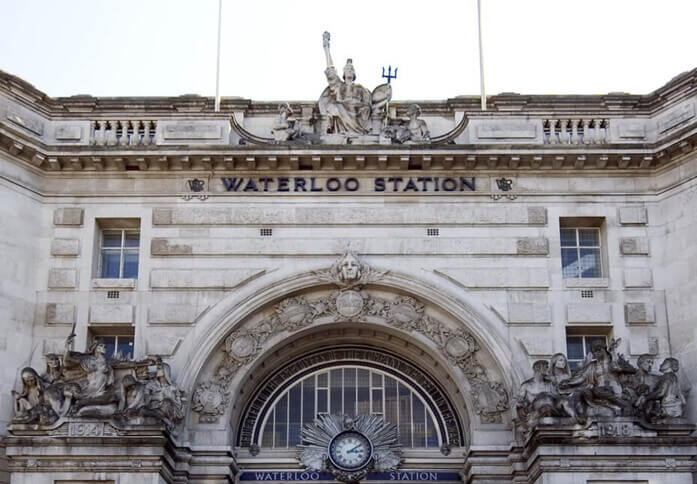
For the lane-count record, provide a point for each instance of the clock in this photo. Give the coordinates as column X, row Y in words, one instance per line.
column 350, row 450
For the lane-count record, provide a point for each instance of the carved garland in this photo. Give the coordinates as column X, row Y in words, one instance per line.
column 350, row 304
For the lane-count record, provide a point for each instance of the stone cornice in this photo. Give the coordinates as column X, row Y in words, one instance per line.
column 678, row 88
column 634, row 157
column 609, row 132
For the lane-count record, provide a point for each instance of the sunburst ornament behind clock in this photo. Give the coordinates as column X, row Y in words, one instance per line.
column 348, row 447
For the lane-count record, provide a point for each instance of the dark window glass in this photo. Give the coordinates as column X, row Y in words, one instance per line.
column 125, row 347
column 294, row 411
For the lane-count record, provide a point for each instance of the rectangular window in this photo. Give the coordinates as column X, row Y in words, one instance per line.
column 119, row 254
column 581, row 252
column 118, row 347
column 578, row 346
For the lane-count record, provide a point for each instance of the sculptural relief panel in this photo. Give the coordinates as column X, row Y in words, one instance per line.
column 351, row 302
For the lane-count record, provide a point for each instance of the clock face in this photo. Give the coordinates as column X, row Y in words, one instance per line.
column 350, row 450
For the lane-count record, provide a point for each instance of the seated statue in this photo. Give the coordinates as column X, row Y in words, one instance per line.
column 96, row 395
column 284, row 129
column 29, row 405
column 413, row 131
column 598, row 385
column 163, row 398
column 348, row 105
column 538, row 398
column 667, row 393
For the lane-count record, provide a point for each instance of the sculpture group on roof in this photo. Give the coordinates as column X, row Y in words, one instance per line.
column 605, row 385
column 86, row 385
column 351, row 114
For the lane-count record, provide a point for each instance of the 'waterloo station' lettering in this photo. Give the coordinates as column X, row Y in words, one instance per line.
column 351, row 184
column 399, row 476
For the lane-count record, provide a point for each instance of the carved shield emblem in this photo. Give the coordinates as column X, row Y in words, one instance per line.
column 458, row 347
column 349, row 303
column 242, row 347
column 403, row 313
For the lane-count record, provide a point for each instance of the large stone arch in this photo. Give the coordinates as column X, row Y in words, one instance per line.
column 442, row 304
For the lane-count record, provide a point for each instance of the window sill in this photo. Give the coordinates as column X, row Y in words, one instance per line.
column 587, row 282
column 114, row 283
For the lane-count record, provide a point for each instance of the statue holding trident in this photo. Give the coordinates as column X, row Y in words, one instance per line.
column 347, row 105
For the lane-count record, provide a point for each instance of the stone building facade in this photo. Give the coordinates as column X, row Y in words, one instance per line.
column 251, row 269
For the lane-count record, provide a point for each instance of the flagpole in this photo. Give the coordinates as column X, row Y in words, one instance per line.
column 217, row 65
column 481, row 54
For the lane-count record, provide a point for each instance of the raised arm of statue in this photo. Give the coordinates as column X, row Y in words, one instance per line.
column 325, row 44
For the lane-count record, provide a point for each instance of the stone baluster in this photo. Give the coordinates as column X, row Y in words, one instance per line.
column 598, row 138
column 563, row 133
column 123, row 140
column 587, row 135
column 110, row 134
column 146, row 132
column 574, row 131
column 100, row 133
column 135, row 137
column 552, row 131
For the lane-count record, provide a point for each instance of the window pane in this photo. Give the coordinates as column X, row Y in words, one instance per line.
column 377, row 401
column 130, row 264
column 419, row 421
column 349, row 391
column 322, row 380
column 574, row 347
column 590, row 263
column 132, row 239
column 404, row 416
column 294, row 416
column 569, row 262
column 281, row 422
column 111, row 239
column 309, row 400
column 568, row 237
column 110, row 343
column 111, row 261
column 322, row 401
column 363, row 383
column 590, row 340
column 431, row 436
column 391, row 400
column 267, row 437
column 125, row 347
column 589, row 237
column 335, row 399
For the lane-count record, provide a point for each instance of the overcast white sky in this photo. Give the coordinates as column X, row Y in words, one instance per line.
column 272, row 49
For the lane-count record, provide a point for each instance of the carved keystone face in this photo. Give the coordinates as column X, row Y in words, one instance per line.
column 349, row 268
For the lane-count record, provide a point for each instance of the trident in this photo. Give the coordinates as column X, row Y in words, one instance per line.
column 389, row 75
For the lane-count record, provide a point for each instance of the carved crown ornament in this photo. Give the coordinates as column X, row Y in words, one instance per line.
column 351, row 302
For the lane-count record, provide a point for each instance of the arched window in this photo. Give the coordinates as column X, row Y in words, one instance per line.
column 350, row 390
